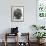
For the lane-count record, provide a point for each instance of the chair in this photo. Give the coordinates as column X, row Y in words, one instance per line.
column 14, row 32
column 7, row 35
column 25, row 37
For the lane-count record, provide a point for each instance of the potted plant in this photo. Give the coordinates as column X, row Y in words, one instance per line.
column 39, row 35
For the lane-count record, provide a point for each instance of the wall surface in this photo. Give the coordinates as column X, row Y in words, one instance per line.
column 29, row 15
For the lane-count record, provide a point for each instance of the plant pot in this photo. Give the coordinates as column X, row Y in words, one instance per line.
column 40, row 41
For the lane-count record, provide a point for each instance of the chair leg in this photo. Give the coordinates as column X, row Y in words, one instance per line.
column 17, row 41
column 5, row 43
column 5, row 40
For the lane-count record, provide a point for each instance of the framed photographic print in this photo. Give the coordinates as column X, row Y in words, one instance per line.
column 17, row 13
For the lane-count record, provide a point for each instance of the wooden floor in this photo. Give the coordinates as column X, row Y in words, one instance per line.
column 13, row 44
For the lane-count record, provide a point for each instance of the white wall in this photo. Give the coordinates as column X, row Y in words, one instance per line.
column 29, row 15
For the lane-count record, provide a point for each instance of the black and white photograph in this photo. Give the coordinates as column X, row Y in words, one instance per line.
column 17, row 13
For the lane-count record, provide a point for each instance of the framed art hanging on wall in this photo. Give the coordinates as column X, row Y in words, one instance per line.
column 17, row 13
